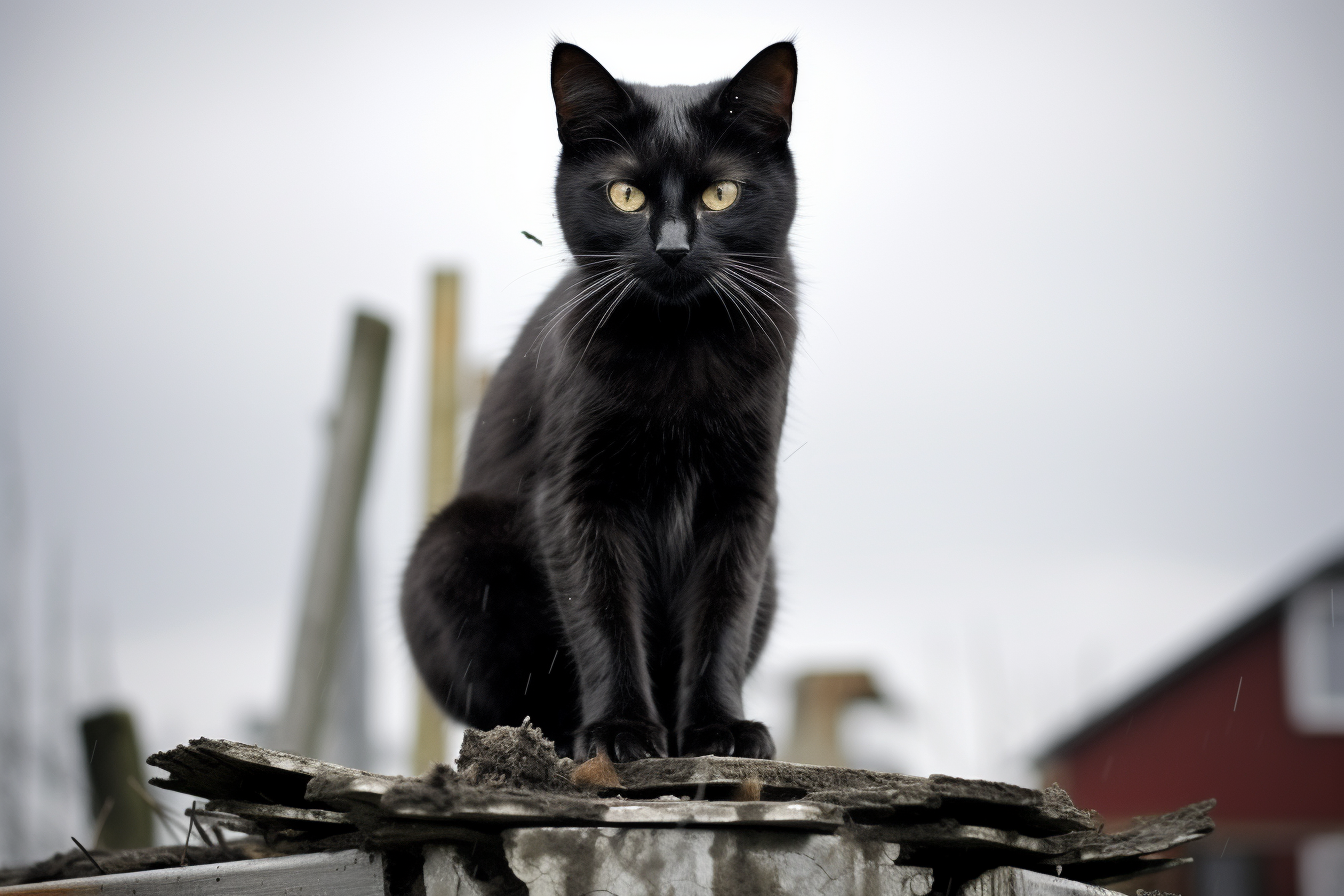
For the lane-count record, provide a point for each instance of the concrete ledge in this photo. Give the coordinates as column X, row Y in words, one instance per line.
column 350, row 872
column 613, row 861
column 697, row 862
column 1021, row 882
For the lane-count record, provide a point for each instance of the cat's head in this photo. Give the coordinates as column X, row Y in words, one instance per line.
column 675, row 186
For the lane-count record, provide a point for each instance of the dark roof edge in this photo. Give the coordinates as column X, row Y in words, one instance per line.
column 1322, row 569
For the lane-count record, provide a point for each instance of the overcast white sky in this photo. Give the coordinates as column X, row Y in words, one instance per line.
column 1071, row 394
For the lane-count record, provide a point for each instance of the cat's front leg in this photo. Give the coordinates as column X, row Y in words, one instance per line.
column 721, row 615
column 597, row 580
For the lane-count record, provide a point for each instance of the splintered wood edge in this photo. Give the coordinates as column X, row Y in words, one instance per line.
column 249, row 754
column 228, row 821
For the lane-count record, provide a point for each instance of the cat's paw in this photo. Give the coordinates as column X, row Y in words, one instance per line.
column 623, row 740
column 740, row 737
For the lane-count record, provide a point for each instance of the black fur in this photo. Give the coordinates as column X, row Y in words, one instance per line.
column 606, row 568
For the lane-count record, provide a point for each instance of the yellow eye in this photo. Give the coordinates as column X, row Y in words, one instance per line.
column 719, row 196
column 626, row 197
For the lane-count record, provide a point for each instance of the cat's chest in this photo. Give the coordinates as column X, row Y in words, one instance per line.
column 653, row 413
column 684, row 400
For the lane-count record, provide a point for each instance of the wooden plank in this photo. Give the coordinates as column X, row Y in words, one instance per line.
column 350, row 872
column 283, row 815
column 694, row 862
column 222, row 769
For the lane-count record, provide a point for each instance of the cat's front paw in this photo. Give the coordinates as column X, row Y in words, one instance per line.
column 739, row 737
column 623, row 740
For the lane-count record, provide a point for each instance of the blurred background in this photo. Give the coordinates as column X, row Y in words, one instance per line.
column 1069, row 406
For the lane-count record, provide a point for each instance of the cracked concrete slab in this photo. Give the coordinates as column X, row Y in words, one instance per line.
column 698, row 862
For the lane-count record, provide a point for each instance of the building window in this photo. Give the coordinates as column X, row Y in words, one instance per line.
column 1313, row 656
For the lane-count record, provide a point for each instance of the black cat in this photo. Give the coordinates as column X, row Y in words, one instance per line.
column 606, row 567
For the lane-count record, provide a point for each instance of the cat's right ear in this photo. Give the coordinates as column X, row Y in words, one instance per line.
column 587, row 97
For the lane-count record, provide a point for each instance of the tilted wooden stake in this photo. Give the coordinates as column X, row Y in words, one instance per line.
column 441, row 481
column 328, row 585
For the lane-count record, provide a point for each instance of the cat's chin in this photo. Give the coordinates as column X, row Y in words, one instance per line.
column 678, row 292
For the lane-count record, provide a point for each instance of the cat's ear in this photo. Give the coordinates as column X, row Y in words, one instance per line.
column 586, row 95
column 762, row 93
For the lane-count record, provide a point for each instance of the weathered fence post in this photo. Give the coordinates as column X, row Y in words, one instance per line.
column 115, row 760
column 440, row 480
column 328, row 586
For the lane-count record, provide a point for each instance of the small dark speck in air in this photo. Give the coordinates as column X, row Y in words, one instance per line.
column 531, row 237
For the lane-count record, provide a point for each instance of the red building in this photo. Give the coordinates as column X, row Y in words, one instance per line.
column 1254, row 719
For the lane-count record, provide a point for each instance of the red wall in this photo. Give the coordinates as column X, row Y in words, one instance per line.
column 1186, row 743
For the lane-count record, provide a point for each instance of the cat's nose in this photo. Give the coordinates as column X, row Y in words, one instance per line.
column 673, row 241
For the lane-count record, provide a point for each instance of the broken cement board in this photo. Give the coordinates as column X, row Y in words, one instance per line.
column 1145, row 836
column 471, row 804
column 694, row 862
column 1033, row 811
column 350, row 872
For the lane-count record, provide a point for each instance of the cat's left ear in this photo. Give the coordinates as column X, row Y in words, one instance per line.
column 762, row 93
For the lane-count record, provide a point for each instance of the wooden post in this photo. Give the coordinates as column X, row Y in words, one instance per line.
column 440, row 480
column 328, row 588
column 821, row 699
column 123, row 817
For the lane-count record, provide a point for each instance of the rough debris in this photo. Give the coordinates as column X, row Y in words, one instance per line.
column 513, row 757
column 511, row 778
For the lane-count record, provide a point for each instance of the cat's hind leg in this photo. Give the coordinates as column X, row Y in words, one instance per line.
column 480, row 624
